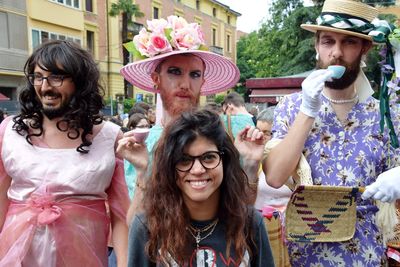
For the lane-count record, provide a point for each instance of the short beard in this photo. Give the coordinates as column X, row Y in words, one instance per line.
column 349, row 76
column 175, row 109
column 53, row 113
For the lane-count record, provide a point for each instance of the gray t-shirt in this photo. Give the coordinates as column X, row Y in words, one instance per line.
column 212, row 250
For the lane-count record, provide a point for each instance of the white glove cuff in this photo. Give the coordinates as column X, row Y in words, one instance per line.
column 308, row 112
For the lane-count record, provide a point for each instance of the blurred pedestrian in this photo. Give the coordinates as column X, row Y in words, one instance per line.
column 138, row 120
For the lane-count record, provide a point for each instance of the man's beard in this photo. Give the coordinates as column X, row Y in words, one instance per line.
column 52, row 113
column 175, row 108
column 55, row 112
column 349, row 76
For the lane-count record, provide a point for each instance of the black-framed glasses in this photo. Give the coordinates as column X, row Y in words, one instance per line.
column 209, row 160
column 52, row 79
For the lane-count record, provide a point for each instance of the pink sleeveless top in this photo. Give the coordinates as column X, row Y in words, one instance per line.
column 57, row 215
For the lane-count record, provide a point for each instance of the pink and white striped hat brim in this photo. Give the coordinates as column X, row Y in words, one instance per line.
column 220, row 74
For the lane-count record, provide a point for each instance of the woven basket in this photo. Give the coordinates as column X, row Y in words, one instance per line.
column 318, row 213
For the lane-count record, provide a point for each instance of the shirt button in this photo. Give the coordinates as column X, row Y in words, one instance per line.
column 341, row 134
column 338, row 166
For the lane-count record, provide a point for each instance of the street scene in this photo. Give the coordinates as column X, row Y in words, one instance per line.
column 199, row 133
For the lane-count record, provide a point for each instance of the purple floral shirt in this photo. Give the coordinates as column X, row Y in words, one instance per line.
column 350, row 154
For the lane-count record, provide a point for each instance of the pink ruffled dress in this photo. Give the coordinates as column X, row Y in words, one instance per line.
column 57, row 215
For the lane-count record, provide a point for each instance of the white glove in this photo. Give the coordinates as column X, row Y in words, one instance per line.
column 386, row 188
column 312, row 87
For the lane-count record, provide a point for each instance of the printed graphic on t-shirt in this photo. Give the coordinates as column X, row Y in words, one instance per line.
column 208, row 257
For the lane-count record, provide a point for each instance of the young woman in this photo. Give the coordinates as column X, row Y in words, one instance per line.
column 195, row 211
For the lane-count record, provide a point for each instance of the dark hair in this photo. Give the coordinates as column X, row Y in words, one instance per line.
column 142, row 105
column 235, row 99
column 67, row 58
column 137, row 109
column 165, row 209
column 1, row 115
column 213, row 107
column 134, row 119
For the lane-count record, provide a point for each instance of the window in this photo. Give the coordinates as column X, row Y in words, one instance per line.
column 229, row 19
column 44, row 36
column 35, row 38
column 155, row 12
column 214, row 12
column 228, row 42
column 39, row 37
column 89, row 5
column 198, row 4
column 70, row 3
column 90, row 41
column 214, row 37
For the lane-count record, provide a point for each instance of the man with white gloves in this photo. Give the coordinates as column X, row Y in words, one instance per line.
column 334, row 123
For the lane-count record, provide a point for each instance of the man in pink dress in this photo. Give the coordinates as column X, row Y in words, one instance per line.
column 58, row 167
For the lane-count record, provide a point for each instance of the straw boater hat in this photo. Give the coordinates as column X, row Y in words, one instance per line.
column 349, row 17
column 165, row 38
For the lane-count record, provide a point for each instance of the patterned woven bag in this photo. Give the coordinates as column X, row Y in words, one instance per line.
column 318, row 213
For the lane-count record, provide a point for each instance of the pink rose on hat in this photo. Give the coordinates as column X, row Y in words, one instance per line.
column 177, row 23
column 158, row 45
column 187, row 37
column 163, row 36
column 157, row 25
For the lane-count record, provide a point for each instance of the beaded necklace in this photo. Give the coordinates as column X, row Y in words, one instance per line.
column 341, row 101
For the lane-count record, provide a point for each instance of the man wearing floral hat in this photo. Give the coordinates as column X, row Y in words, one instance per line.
column 335, row 123
column 174, row 64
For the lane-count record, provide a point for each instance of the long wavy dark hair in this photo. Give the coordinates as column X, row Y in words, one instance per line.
column 83, row 111
column 164, row 206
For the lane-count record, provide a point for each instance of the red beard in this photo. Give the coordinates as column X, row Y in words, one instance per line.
column 179, row 102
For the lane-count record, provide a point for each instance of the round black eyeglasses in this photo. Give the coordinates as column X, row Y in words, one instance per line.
column 209, row 160
column 52, row 80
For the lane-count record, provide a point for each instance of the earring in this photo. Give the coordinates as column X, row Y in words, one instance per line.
column 362, row 62
column 317, row 56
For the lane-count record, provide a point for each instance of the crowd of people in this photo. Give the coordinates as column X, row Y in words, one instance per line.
column 79, row 189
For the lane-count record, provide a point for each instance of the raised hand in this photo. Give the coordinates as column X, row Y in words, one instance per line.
column 312, row 87
column 133, row 151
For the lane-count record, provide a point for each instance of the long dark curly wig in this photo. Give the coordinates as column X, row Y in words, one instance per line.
column 164, row 206
column 83, row 111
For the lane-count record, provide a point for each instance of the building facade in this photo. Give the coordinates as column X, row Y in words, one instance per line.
column 13, row 47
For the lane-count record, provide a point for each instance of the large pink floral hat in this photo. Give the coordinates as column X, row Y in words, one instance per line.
column 164, row 38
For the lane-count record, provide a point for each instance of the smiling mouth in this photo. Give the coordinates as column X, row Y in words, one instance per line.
column 198, row 184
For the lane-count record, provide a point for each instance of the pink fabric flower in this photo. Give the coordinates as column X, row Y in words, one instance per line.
column 177, row 23
column 158, row 44
column 141, row 42
column 164, row 36
column 157, row 25
column 187, row 38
